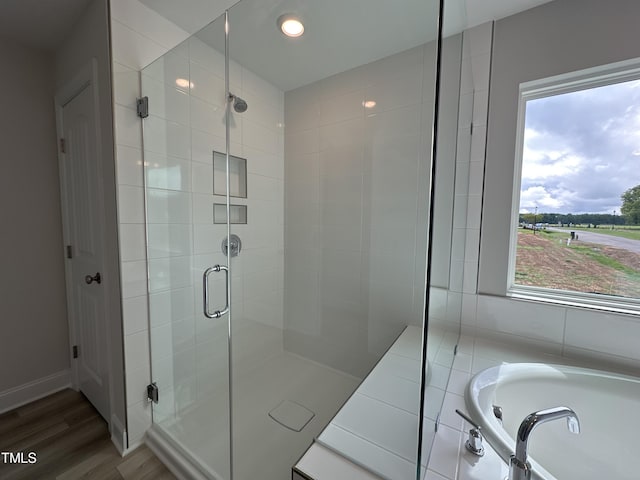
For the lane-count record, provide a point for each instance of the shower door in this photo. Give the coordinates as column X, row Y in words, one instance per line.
column 185, row 141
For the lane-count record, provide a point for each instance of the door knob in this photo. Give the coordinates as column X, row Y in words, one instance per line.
column 96, row 278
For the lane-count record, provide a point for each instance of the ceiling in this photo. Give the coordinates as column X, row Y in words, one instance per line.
column 41, row 24
column 339, row 34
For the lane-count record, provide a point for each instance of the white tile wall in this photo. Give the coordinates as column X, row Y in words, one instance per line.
column 351, row 193
column 139, row 36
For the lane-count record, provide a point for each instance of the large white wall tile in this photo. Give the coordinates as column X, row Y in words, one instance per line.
column 168, row 206
column 129, row 167
column 135, row 314
column 167, row 172
column 302, row 109
column 128, row 129
column 126, row 85
column 167, row 69
column 261, row 89
column 136, row 348
column 203, row 145
column 167, row 137
column 136, row 379
column 130, row 204
column 341, row 107
column 131, row 48
column 169, row 240
column 205, row 56
column 208, row 85
column 147, row 22
column 134, row 279
column 138, row 422
column 169, row 273
column 527, row 319
column 602, row 332
column 171, row 305
column 166, row 101
column 132, row 242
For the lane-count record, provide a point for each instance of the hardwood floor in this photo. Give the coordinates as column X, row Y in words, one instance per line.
column 71, row 441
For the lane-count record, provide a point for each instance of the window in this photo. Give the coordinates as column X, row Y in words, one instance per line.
column 576, row 222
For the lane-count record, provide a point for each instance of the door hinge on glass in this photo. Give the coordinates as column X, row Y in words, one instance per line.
column 69, row 251
column 152, row 392
column 75, row 351
column 62, row 146
column 142, row 107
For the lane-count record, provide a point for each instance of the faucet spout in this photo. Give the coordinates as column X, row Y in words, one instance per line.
column 520, row 469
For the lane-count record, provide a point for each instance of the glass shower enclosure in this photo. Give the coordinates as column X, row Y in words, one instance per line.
column 287, row 206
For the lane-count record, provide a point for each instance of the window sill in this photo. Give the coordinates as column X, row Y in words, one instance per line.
column 602, row 303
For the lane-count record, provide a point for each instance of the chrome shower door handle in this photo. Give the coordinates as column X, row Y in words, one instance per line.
column 205, row 291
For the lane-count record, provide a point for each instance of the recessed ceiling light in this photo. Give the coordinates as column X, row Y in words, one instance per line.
column 290, row 25
column 369, row 103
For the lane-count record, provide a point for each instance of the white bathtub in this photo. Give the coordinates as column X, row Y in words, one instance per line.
column 607, row 404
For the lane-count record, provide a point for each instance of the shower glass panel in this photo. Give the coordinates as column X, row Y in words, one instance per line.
column 189, row 352
column 325, row 145
column 337, row 136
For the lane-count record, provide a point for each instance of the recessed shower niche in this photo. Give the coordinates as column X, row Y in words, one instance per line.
column 237, row 176
column 237, row 214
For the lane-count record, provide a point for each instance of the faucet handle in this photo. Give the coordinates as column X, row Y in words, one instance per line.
column 474, row 442
column 468, row 419
column 497, row 412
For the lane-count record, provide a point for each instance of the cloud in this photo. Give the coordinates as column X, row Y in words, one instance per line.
column 581, row 150
column 538, row 196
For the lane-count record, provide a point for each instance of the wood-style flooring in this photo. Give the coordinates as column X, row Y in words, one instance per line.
column 71, row 441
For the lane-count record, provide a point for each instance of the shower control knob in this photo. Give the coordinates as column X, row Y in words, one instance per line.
column 95, row 278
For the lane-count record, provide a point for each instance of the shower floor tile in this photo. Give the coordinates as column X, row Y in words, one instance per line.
column 263, row 448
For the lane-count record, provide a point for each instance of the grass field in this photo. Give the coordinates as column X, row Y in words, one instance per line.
column 545, row 260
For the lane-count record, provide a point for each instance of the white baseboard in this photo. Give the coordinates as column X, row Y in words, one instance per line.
column 181, row 468
column 118, row 435
column 132, row 447
column 35, row 390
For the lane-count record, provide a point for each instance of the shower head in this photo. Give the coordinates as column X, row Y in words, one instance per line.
column 239, row 105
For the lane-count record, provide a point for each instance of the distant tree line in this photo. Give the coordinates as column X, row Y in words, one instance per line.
column 629, row 214
column 566, row 219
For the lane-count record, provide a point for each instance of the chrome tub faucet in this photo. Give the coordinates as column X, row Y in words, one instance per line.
column 519, row 467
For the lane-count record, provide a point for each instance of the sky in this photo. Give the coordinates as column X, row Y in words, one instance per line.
column 581, row 150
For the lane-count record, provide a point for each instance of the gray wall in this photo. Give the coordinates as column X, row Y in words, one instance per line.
column 33, row 317
column 558, row 37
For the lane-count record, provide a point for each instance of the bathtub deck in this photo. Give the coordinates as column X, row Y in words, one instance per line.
column 449, row 459
column 378, row 426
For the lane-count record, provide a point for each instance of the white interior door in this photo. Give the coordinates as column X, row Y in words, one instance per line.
column 83, row 217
